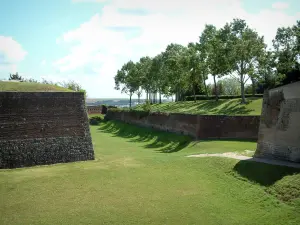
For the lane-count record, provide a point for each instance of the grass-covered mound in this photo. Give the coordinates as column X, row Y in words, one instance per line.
column 210, row 107
column 30, row 87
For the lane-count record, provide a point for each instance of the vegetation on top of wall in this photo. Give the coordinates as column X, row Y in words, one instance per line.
column 204, row 97
column 30, row 87
column 203, row 107
column 19, row 84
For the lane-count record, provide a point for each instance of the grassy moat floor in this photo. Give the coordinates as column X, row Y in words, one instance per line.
column 141, row 176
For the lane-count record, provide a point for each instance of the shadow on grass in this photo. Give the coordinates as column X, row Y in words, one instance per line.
column 229, row 108
column 161, row 141
column 221, row 107
column 264, row 174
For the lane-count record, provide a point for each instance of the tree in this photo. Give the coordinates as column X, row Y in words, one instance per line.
column 266, row 77
column 143, row 73
column 245, row 48
column 157, row 72
column 15, row 76
column 127, row 79
column 230, row 86
column 214, row 44
column 196, row 68
column 174, row 69
column 287, row 53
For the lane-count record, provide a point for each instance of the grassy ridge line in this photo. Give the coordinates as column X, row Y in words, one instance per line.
column 30, row 87
column 210, row 107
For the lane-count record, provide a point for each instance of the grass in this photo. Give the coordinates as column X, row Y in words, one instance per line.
column 30, row 87
column 211, row 107
column 141, row 176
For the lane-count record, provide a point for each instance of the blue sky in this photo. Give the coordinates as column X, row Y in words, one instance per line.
column 89, row 40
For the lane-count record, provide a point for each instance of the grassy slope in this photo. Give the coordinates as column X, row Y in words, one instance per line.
column 223, row 107
column 30, row 87
column 136, row 180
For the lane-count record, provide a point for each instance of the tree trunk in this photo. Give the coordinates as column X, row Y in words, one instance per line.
column 243, row 89
column 139, row 97
column 253, row 87
column 130, row 100
column 194, row 89
column 147, row 95
column 216, row 91
column 159, row 97
column 205, row 86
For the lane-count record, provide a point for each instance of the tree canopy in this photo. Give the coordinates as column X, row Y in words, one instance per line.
column 235, row 51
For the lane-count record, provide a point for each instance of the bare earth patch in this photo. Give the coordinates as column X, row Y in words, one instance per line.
column 234, row 155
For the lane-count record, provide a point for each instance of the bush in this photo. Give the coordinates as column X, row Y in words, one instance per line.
column 147, row 106
column 95, row 120
column 114, row 109
column 212, row 97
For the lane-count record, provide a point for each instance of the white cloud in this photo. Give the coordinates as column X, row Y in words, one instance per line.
column 280, row 5
column 11, row 49
column 11, row 53
column 104, row 50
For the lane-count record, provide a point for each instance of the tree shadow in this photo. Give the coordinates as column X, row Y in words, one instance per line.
column 262, row 173
column 163, row 142
column 229, row 109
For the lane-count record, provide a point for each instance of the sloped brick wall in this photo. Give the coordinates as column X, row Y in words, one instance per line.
column 279, row 131
column 197, row 126
column 43, row 128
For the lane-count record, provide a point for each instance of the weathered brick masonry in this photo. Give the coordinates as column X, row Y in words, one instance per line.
column 198, row 126
column 279, row 131
column 94, row 109
column 43, row 128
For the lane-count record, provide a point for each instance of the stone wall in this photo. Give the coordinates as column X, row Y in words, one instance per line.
column 197, row 126
column 94, row 109
column 43, row 128
column 279, row 131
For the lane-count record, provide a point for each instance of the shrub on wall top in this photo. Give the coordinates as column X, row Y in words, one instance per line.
column 204, row 97
column 115, row 109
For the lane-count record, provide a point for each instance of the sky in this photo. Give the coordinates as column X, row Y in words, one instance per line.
column 89, row 40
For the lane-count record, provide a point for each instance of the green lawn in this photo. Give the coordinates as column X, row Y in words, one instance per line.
column 142, row 177
column 211, row 107
column 30, row 87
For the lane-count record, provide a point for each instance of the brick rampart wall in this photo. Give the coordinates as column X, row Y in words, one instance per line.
column 197, row 126
column 279, row 131
column 43, row 128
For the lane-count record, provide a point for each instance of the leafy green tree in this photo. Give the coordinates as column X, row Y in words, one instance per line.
column 230, row 86
column 159, row 81
column 15, row 76
column 195, row 67
column 143, row 74
column 213, row 44
column 126, row 80
column 266, row 70
column 246, row 46
column 175, row 70
column 287, row 50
